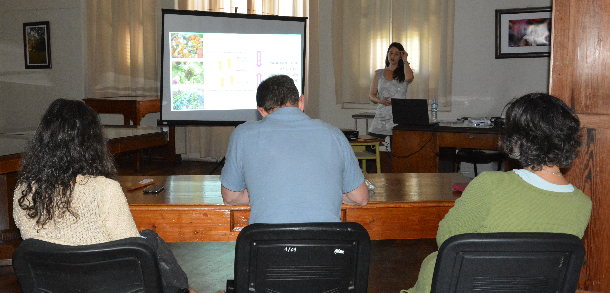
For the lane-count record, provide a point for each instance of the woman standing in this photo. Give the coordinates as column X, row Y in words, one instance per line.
column 387, row 84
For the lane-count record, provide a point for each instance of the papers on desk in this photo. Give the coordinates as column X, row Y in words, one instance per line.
column 211, row 188
column 482, row 122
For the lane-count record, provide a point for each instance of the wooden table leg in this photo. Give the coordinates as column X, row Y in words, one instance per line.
column 171, row 144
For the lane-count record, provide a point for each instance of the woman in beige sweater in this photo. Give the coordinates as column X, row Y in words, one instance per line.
column 66, row 194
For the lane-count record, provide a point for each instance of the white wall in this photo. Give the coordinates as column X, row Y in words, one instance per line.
column 482, row 85
column 26, row 93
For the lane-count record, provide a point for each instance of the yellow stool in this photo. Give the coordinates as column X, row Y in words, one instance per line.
column 359, row 147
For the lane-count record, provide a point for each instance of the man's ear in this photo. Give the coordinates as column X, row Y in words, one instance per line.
column 302, row 103
column 262, row 111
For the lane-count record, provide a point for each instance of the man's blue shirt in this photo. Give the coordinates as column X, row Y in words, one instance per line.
column 295, row 168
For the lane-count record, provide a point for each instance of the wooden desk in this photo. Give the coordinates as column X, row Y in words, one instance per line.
column 416, row 149
column 404, row 206
column 132, row 108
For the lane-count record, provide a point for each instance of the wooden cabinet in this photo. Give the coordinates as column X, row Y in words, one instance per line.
column 416, row 150
column 579, row 71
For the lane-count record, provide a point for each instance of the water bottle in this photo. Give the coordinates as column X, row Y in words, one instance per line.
column 433, row 110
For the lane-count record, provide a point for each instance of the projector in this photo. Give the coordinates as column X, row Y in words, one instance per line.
column 350, row 134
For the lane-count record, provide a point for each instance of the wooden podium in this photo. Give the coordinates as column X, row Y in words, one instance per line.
column 416, row 149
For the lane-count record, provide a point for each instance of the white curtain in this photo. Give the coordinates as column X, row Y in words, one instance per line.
column 363, row 31
column 263, row 7
column 122, row 48
column 211, row 142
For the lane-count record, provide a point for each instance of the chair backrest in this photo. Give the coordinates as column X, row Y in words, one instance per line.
column 509, row 262
column 126, row 265
column 309, row 257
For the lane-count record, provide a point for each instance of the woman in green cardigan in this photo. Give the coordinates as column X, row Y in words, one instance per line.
column 543, row 134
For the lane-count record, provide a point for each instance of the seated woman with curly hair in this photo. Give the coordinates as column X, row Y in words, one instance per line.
column 542, row 133
column 66, row 193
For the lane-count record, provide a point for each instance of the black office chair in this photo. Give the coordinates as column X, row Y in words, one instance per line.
column 509, row 262
column 476, row 157
column 126, row 265
column 295, row 258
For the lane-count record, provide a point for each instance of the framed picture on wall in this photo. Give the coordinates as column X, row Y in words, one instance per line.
column 37, row 45
column 523, row 32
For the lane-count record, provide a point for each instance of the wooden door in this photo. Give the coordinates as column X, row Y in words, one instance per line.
column 580, row 67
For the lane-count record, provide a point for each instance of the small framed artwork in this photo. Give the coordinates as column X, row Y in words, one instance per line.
column 37, row 45
column 523, row 32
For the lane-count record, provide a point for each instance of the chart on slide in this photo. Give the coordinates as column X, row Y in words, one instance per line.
column 222, row 71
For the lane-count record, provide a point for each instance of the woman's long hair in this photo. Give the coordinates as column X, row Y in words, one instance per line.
column 399, row 72
column 68, row 142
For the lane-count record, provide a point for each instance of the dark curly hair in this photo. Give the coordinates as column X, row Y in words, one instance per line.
column 277, row 91
column 540, row 129
column 68, row 142
column 399, row 72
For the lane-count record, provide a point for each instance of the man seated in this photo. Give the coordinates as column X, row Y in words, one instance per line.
column 288, row 167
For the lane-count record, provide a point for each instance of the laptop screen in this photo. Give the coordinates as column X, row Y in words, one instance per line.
column 410, row 112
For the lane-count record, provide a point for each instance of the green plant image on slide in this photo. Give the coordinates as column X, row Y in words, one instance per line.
column 187, row 99
column 187, row 72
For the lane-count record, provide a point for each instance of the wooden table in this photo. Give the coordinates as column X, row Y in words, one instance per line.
column 404, row 206
column 417, row 149
column 132, row 108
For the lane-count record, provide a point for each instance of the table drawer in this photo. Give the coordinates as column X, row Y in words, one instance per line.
column 468, row 140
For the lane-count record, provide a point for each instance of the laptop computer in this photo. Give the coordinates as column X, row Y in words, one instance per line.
column 410, row 112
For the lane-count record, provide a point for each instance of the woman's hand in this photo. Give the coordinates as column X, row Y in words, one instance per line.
column 385, row 102
column 403, row 56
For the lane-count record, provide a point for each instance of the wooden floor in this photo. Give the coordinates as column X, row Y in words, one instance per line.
column 394, row 263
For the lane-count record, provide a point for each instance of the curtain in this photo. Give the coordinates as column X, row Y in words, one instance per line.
column 263, row 7
column 122, row 48
column 363, row 31
column 211, row 142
